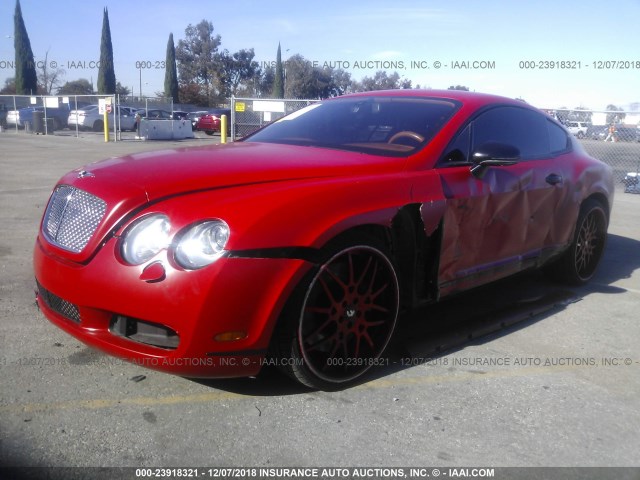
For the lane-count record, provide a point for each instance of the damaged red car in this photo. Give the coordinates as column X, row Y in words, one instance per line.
column 300, row 245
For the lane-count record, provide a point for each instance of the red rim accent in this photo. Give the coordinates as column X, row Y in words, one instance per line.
column 349, row 314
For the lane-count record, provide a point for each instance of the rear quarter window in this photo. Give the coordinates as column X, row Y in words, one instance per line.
column 558, row 139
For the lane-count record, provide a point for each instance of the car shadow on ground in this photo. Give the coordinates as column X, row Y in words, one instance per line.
column 472, row 318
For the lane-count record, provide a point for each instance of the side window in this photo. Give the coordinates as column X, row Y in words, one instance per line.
column 558, row 139
column 520, row 127
column 458, row 150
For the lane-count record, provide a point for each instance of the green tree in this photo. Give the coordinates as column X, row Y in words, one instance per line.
column 301, row 81
column 236, row 71
column 458, row 87
column 340, row 82
column 26, row 79
column 171, row 73
column 106, row 72
column 278, row 81
column 197, row 68
column 76, row 87
column 9, row 87
column 382, row 81
column 122, row 90
column 615, row 115
column 266, row 81
column 306, row 80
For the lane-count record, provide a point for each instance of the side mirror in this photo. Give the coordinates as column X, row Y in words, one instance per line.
column 493, row 154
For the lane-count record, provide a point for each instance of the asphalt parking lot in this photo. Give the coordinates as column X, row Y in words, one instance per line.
column 522, row 373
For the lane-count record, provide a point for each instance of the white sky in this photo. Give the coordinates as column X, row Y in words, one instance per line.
column 589, row 34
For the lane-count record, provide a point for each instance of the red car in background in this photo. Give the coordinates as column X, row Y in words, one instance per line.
column 210, row 122
column 301, row 243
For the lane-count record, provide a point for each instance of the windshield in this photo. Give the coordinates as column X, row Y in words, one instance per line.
column 396, row 126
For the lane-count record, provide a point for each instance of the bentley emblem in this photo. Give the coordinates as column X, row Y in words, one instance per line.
column 84, row 173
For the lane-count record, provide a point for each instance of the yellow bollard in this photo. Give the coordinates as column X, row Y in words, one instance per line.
column 106, row 125
column 223, row 129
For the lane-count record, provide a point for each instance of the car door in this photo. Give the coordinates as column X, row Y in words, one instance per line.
column 498, row 224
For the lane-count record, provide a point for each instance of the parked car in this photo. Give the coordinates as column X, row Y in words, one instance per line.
column 210, row 122
column 90, row 118
column 300, row 244
column 579, row 129
column 632, row 182
column 155, row 114
column 195, row 117
column 626, row 133
column 20, row 117
column 597, row 132
column 152, row 114
column 85, row 117
column 178, row 115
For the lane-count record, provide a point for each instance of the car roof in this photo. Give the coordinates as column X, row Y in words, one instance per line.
column 469, row 98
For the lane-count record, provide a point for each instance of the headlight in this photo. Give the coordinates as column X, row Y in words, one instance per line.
column 202, row 244
column 145, row 238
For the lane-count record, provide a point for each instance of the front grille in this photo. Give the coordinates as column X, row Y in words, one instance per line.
column 59, row 305
column 71, row 218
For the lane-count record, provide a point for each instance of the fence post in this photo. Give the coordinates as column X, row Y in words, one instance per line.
column 233, row 118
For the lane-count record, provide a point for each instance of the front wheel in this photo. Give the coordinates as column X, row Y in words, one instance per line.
column 346, row 318
column 579, row 263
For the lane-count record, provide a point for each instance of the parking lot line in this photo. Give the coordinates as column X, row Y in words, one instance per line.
column 378, row 384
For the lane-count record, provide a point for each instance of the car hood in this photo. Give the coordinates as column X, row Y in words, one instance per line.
column 167, row 173
column 128, row 183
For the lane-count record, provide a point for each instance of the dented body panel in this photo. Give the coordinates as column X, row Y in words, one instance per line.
column 501, row 223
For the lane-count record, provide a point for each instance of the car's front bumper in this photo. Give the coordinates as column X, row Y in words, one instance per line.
column 223, row 315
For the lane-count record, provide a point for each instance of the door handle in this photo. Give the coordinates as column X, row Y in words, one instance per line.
column 553, row 179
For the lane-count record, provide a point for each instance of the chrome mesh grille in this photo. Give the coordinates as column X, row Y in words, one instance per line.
column 71, row 218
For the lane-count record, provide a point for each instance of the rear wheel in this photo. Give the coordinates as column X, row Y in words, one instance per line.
column 579, row 263
column 98, row 126
column 345, row 320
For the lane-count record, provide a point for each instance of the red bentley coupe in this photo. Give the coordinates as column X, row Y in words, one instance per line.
column 301, row 243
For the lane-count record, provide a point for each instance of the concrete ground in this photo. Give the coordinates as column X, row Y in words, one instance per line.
column 522, row 373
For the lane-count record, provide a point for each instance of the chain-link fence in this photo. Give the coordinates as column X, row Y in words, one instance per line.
column 251, row 114
column 72, row 114
column 612, row 136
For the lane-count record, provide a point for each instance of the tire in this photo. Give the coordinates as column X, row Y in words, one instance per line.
column 579, row 263
column 346, row 316
column 209, row 132
column 98, row 126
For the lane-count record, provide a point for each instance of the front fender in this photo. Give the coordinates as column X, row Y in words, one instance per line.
column 302, row 213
